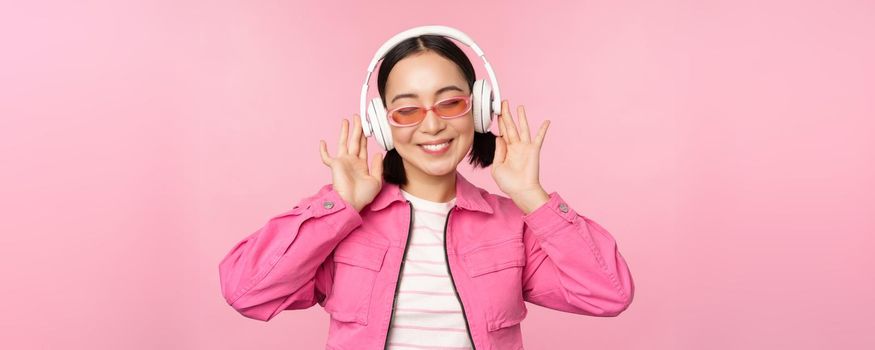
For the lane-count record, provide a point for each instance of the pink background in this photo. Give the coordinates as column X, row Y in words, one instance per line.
column 727, row 145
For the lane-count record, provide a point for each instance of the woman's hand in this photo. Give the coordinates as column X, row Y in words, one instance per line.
column 515, row 166
column 351, row 178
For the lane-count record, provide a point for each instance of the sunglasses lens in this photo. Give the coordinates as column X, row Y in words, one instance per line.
column 408, row 115
column 452, row 107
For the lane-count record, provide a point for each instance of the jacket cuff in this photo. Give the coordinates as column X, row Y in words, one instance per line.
column 345, row 218
column 550, row 216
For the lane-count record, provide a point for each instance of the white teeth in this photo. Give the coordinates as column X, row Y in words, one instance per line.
column 437, row 147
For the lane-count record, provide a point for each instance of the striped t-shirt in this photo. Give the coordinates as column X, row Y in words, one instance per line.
column 427, row 313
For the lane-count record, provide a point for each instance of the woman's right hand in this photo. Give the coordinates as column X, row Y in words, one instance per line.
column 351, row 178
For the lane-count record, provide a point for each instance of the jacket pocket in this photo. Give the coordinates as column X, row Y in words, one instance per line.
column 495, row 269
column 357, row 263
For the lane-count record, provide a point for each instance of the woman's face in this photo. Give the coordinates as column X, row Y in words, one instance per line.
column 422, row 79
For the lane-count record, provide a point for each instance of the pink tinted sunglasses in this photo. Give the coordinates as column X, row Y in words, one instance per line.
column 411, row 115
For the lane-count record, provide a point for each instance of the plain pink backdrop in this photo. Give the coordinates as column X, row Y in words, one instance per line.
column 729, row 146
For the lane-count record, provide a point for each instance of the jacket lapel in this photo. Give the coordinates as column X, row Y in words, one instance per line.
column 468, row 196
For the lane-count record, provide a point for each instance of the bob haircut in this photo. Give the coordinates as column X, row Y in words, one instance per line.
column 483, row 149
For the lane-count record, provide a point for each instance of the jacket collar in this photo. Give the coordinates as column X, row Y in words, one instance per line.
column 468, row 196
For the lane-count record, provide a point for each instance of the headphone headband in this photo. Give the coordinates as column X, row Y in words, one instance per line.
column 428, row 30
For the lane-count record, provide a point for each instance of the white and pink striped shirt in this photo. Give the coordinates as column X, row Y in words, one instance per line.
column 427, row 313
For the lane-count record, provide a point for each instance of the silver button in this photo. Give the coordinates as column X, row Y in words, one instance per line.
column 563, row 207
column 328, row 204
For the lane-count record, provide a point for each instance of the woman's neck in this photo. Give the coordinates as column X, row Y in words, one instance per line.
column 433, row 188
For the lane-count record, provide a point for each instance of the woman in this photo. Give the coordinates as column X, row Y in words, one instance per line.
column 408, row 254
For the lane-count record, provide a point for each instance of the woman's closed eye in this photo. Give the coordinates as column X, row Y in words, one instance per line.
column 407, row 111
column 450, row 104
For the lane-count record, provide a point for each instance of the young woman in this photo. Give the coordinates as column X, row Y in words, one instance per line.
column 406, row 253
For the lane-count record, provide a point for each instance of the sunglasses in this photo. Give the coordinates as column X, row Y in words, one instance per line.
column 449, row 108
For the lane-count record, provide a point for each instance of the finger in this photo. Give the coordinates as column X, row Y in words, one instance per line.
column 509, row 126
column 355, row 143
column 501, row 129
column 363, row 149
column 542, row 132
column 524, row 124
column 323, row 150
column 344, row 133
column 500, row 150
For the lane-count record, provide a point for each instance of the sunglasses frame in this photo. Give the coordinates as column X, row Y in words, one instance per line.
column 466, row 98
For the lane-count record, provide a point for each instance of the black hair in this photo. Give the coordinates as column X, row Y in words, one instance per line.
column 483, row 148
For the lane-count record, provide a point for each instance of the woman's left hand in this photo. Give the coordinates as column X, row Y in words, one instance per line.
column 515, row 166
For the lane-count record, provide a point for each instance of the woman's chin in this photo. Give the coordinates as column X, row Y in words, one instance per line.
column 440, row 168
column 439, row 172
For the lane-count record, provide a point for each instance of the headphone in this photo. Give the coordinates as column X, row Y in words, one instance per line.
column 486, row 99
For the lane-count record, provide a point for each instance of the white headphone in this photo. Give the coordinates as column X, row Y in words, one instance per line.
column 486, row 99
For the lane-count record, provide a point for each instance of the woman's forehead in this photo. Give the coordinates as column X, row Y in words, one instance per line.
column 424, row 74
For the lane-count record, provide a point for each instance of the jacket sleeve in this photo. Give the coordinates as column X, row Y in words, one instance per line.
column 573, row 264
column 286, row 263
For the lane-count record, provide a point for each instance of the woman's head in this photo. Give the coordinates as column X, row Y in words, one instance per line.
column 419, row 72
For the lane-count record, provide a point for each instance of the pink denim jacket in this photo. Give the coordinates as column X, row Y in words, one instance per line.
column 324, row 251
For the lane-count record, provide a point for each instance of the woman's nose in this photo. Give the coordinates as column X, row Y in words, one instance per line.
column 432, row 121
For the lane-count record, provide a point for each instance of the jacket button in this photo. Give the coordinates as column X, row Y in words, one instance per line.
column 328, row 204
column 563, row 207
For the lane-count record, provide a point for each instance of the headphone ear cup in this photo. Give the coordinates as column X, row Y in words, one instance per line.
column 482, row 105
column 379, row 124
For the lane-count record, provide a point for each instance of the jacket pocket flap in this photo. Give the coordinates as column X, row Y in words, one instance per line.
column 495, row 257
column 361, row 253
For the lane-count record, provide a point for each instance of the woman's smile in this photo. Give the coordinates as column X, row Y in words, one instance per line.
column 436, row 149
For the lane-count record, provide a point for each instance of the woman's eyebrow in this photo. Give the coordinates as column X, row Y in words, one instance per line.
column 440, row 91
